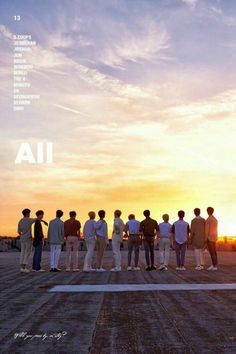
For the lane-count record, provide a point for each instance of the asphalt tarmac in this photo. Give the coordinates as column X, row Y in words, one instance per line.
column 159, row 313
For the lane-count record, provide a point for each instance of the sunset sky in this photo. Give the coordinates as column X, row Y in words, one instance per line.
column 138, row 98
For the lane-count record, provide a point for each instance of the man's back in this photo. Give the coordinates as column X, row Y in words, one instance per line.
column 148, row 227
column 181, row 230
column 165, row 229
column 89, row 230
column 101, row 229
column 56, row 231
column 198, row 232
column 133, row 226
column 118, row 227
column 38, row 233
column 72, row 227
column 211, row 228
column 198, row 226
column 24, row 228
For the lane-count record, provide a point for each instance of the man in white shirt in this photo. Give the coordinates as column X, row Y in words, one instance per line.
column 132, row 229
column 180, row 230
column 89, row 233
column 165, row 241
column 117, row 237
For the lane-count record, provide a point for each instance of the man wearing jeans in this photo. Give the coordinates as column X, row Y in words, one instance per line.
column 180, row 230
column 38, row 242
column 56, row 240
column 149, row 228
column 132, row 229
column 211, row 229
column 72, row 234
column 89, row 233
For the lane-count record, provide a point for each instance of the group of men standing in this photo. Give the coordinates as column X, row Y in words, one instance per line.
column 201, row 234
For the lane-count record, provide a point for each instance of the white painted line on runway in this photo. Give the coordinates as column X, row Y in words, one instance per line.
column 140, row 287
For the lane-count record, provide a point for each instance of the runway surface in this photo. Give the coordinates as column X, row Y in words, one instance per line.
column 128, row 312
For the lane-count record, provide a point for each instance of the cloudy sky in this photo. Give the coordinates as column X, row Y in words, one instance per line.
column 138, row 98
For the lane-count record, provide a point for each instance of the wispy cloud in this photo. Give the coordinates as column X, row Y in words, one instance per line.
column 221, row 106
column 70, row 110
column 144, row 42
column 190, row 3
column 5, row 33
column 52, row 60
column 216, row 10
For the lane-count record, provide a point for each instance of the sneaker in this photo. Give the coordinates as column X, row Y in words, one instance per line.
column 148, row 269
column 76, row 270
column 177, row 268
column 136, row 268
column 51, row 270
column 22, row 270
column 129, row 268
column 153, row 267
column 33, row 270
column 198, row 268
column 210, row 268
column 26, row 270
column 67, row 269
column 87, row 270
column 182, row 268
column 41, row 270
column 162, row 267
column 116, row 269
column 166, row 268
column 214, row 268
column 56, row 270
column 100, row 270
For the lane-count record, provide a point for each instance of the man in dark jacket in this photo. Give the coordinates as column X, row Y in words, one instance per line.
column 149, row 229
column 38, row 242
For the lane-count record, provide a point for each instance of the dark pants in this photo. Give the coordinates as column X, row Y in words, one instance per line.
column 37, row 256
column 149, row 250
column 180, row 249
column 211, row 245
column 133, row 243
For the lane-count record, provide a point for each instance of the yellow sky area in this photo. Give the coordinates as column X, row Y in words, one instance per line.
column 130, row 198
column 177, row 158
